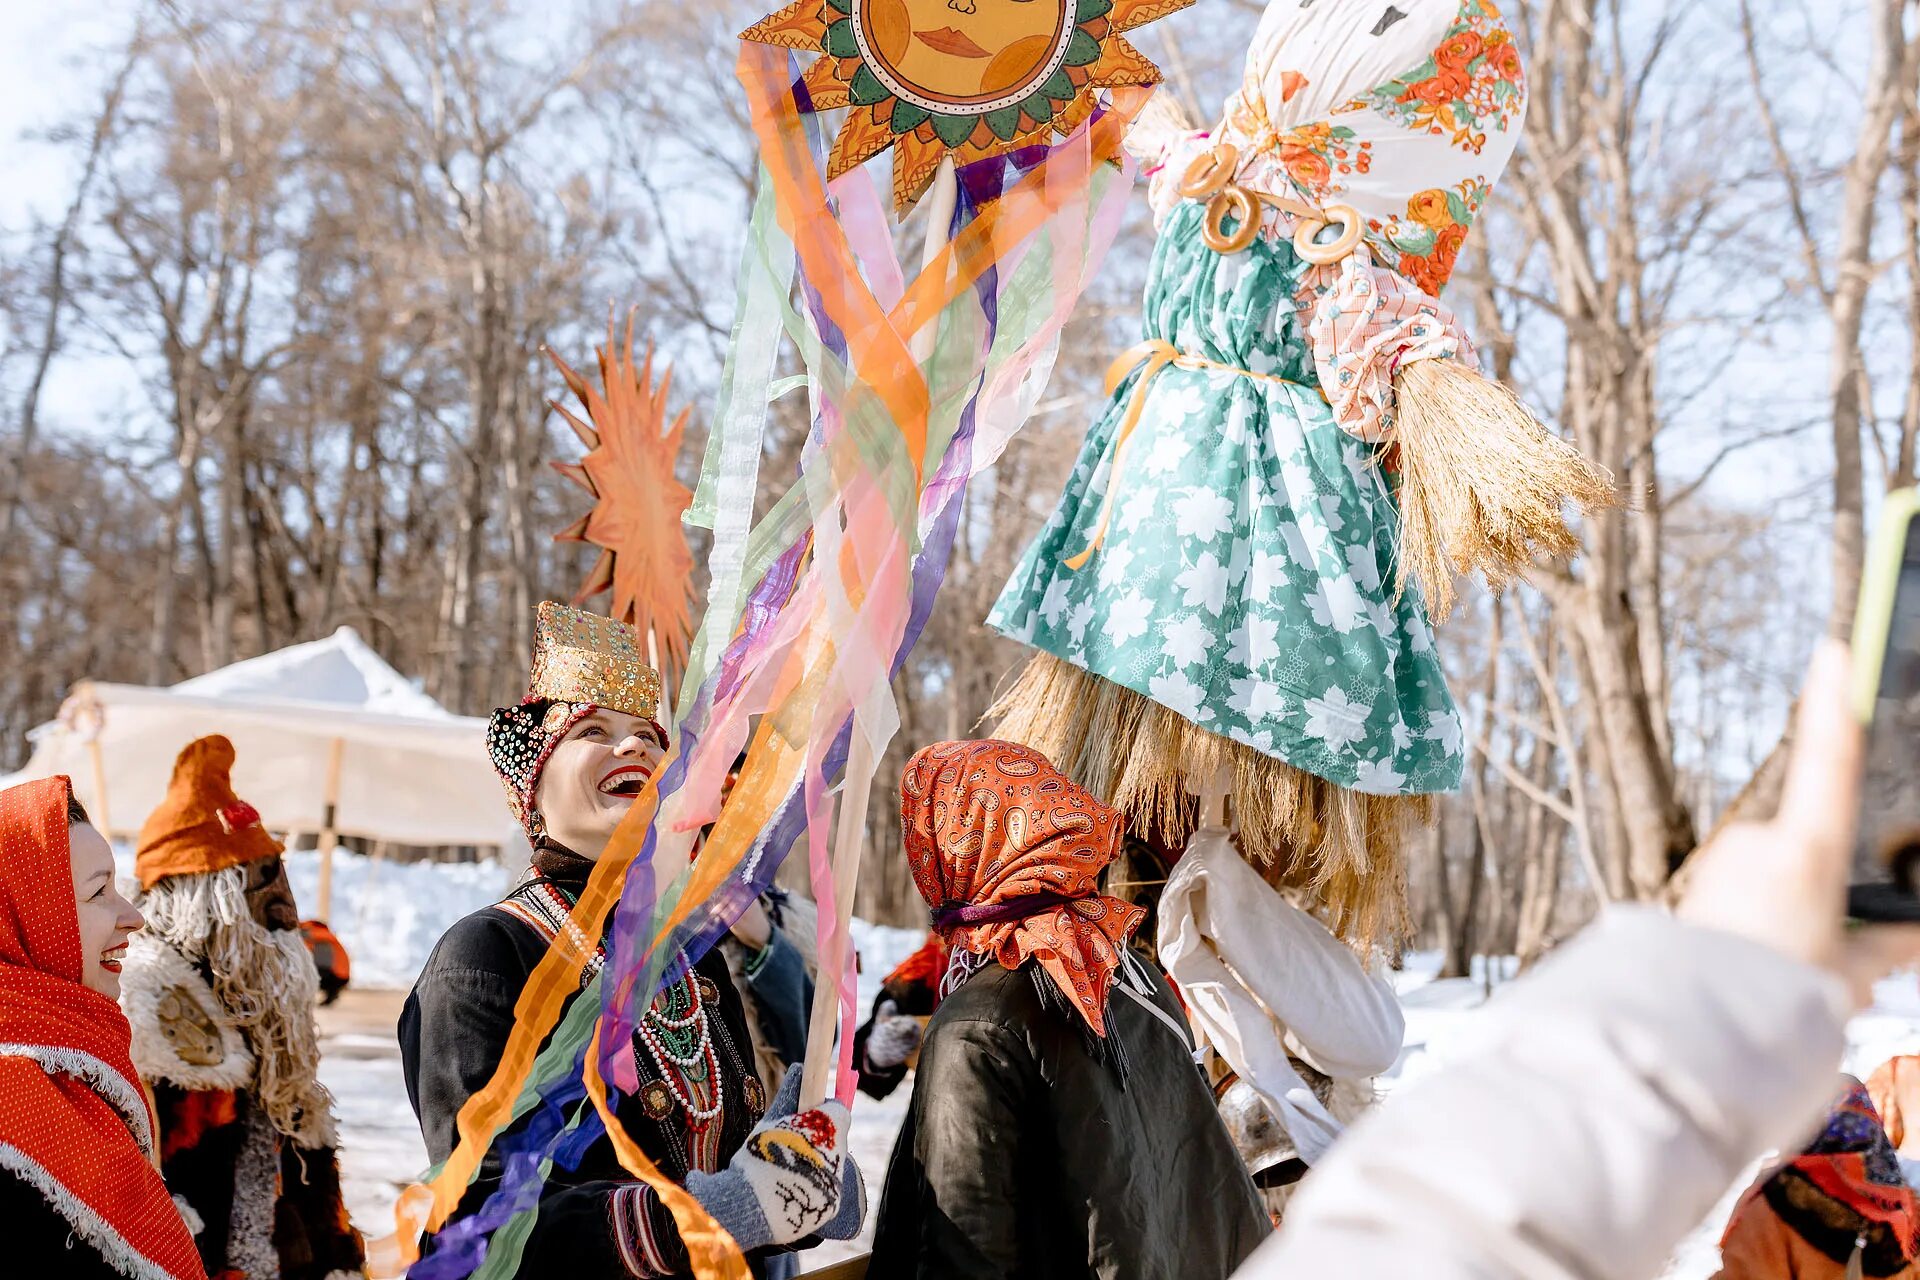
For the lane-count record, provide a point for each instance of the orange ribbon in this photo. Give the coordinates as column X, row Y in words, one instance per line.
column 1150, row 357
column 878, row 340
column 710, row 1249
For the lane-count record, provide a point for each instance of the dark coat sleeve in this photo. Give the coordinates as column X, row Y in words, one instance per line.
column 42, row 1243
column 455, row 1024
column 958, row 1160
column 453, row 1029
column 875, row 1082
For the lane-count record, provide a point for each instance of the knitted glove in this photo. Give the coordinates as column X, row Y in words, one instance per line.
column 893, row 1038
column 792, row 1178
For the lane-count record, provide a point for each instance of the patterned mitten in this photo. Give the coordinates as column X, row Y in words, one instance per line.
column 790, row 1179
column 893, row 1038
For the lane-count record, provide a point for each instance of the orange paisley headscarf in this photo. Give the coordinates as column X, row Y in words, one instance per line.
column 993, row 830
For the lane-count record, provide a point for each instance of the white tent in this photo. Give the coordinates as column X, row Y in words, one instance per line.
column 330, row 741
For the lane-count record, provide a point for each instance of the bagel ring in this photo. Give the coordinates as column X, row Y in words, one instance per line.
column 1238, row 202
column 1210, row 171
column 1311, row 248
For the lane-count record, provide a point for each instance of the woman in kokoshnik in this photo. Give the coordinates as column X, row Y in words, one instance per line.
column 1224, row 591
column 80, row 1192
column 573, row 755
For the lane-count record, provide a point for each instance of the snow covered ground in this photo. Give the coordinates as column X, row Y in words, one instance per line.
column 389, row 916
column 380, row 1147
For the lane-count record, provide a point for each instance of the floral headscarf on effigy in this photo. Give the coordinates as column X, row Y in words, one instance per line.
column 1410, row 127
column 1374, row 137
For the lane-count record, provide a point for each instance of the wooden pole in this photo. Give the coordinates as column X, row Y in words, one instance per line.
column 102, row 816
column 941, row 198
column 653, row 660
column 850, row 832
column 817, row 1073
column 1213, row 794
column 323, row 909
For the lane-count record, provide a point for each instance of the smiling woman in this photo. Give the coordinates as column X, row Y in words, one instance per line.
column 574, row 755
column 592, row 776
column 587, row 720
column 106, row 918
column 78, row 1190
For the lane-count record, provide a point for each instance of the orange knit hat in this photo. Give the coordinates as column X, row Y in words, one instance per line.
column 201, row 826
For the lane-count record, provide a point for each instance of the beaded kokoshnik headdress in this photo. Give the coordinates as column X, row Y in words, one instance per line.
column 581, row 662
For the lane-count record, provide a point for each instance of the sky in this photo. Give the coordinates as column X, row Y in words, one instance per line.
column 51, row 65
column 54, row 60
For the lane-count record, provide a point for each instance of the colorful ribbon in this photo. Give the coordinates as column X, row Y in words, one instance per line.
column 843, row 575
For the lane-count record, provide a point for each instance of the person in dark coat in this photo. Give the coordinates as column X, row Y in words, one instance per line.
column 573, row 756
column 1058, row 1126
column 885, row 1044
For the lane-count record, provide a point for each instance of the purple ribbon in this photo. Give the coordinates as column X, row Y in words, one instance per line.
column 955, row 915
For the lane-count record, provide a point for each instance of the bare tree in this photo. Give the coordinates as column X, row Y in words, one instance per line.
column 330, row 238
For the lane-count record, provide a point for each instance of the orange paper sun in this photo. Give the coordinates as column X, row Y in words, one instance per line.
column 966, row 77
column 638, row 501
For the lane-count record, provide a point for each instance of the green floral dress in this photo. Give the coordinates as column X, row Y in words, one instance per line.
column 1246, row 580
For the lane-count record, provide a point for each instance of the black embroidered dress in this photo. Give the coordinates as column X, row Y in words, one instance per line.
column 595, row 1221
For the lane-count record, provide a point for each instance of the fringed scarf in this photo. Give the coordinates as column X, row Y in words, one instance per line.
column 1008, row 853
column 1847, row 1179
column 74, row 1123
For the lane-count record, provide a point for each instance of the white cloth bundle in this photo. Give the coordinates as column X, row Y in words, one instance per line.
column 1262, row 977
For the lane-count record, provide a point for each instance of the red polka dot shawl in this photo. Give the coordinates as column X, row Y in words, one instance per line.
column 992, row 825
column 74, row 1122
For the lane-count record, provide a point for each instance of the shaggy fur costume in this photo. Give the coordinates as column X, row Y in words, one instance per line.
column 267, row 1201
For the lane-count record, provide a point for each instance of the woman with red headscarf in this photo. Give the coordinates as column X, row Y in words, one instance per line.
column 1059, row 1126
column 78, row 1188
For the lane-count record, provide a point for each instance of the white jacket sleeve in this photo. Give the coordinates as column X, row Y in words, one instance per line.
column 1603, row 1106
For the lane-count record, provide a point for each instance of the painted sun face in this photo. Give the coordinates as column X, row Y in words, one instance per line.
column 966, row 57
column 966, row 79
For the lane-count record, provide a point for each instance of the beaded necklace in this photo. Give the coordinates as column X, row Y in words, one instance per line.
column 677, row 1037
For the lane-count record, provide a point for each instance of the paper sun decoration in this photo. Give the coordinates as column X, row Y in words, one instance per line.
column 970, row 78
column 638, row 501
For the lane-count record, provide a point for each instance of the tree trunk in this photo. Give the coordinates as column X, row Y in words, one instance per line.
column 1853, row 277
column 56, row 296
column 1459, row 962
